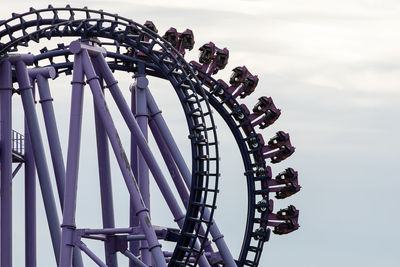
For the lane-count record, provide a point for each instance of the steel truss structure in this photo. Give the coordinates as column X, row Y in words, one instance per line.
column 102, row 44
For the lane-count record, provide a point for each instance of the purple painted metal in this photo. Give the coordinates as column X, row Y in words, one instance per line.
column 122, row 159
column 108, row 231
column 103, row 157
column 134, row 259
column 169, row 161
column 68, row 225
column 180, row 162
column 88, row 252
column 133, row 220
column 30, row 202
column 143, row 169
column 142, row 144
column 5, row 164
column 41, row 76
column 175, row 175
column 16, row 170
column 20, row 62
column 141, row 141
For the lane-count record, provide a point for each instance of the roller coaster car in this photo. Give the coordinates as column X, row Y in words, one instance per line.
column 172, row 37
column 287, row 176
column 133, row 29
column 286, row 227
column 206, row 53
column 150, row 25
column 280, row 139
column 263, row 104
column 283, row 153
column 288, row 190
column 221, row 59
column 238, row 76
column 250, row 84
column 271, row 115
column 187, row 39
column 289, row 213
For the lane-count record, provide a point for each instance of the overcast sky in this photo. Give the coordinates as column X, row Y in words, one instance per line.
column 333, row 67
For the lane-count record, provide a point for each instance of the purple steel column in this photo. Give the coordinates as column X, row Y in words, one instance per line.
column 38, row 150
column 71, row 182
column 142, row 144
column 103, row 158
column 169, row 161
column 51, row 127
column 141, row 141
column 180, row 162
column 143, row 170
column 120, row 154
column 30, row 202
column 133, row 220
column 42, row 74
column 5, row 164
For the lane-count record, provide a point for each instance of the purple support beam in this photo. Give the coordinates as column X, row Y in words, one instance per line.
column 142, row 143
column 16, row 170
column 141, row 140
column 20, row 62
column 71, row 182
column 169, row 161
column 133, row 220
column 5, row 165
column 30, row 202
column 122, row 159
column 174, row 172
column 143, row 169
column 180, row 162
column 41, row 75
column 103, row 159
column 175, row 175
column 90, row 253
column 134, row 259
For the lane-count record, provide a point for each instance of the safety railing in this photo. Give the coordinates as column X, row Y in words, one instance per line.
column 17, row 143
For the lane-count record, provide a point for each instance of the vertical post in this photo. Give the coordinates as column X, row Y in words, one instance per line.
column 143, row 169
column 71, row 182
column 52, row 134
column 38, row 149
column 6, row 164
column 42, row 75
column 133, row 219
column 30, row 202
column 103, row 159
